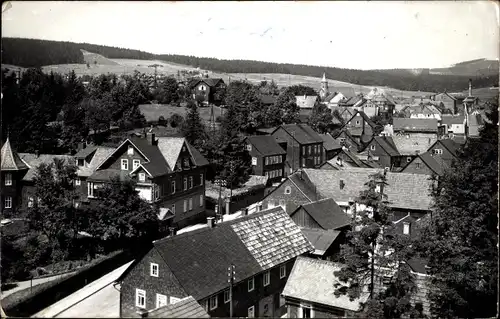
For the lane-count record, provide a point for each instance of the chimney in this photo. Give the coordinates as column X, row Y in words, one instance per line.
column 172, row 230
column 143, row 313
column 210, row 222
column 151, row 138
column 470, row 87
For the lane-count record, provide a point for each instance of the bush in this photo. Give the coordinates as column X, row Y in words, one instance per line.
column 162, row 121
column 176, row 120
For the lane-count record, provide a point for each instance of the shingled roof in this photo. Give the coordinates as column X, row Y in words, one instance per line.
column 314, row 280
column 329, row 143
column 326, row 213
column 266, row 145
column 254, row 243
column 185, row 308
column 387, row 144
column 100, row 154
column 321, row 239
column 410, row 145
column 415, row 125
column 404, row 191
column 450, row 145
column 10, row 160
column 34, row 161
column 303, row 133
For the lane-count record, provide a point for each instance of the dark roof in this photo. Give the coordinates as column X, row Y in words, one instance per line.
column 83, row 153
column 321, row 239
column 210, row 82
column 329, row 143
column 452, row 119
column 266, row 145
column 157, row 165
column 301, row 181
column 185, row 308
column 387, row 144
column 33, row 161
column 364, row 116
column 253, row 244
column 431, row 163
column 302, row 133
column 327, row 214
column 267, row 99
column 415, row 124
column 266, row 130
column 450, row 145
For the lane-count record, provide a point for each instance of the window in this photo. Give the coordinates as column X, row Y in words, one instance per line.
column 173, row 187
column 438, row 151
column 357, row 122
column 251, row 284
column 254, row 161
column 8, row 179
column 267, row 174
column 81, row 162
column 190, row 204
column 227, row 296
column 185, row 183
column 251, row 312
column 201, row 200
column 186, row 162
column 124, row 164
column 185, row 205
column 249, row 147
column 153, row 269
column 190, row 182
column 406, row 228
column 142, row 177
column 90, row 189
column 130, row 150
column 31, row 200
column 418, row 165
column 213, row 302
column 161, row 300
column 282, row 271
column 140, row 298
column 201, row 179
column 77, row 182
column 156, row 191
column 8, row 202
column 173, row 209
column 372, row 147
column 307, row 312
column 266, row 160
column 267, row 278
column 136, row 163
column 408, row 159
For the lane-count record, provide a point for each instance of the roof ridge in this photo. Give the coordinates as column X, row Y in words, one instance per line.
column 319, row 261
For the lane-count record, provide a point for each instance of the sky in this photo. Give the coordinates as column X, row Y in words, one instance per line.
column 356, row 35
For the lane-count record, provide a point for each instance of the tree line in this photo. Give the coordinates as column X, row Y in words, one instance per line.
column 20, row 52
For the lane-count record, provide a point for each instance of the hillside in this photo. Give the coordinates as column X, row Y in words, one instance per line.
column 54, row 53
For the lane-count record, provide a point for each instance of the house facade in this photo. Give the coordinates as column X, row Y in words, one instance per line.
column 422, row 111
column 360, row 127
column 445, row 151
column 205, row 90
column 386, row 152
column 331, row 147
column 304, row 146
column 217, row 265
column 424, row 164
column 12, row 169
column 448, row 101
column 268, row 157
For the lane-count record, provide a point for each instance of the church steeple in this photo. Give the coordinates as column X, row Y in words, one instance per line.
column 323, row 92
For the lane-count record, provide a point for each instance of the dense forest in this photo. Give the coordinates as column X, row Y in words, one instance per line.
column 20, row 52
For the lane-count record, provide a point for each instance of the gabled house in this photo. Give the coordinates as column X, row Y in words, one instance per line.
column 345, row 159
column 196, row 264
column 310, row 291
column 339, row 97
column 445, row 151
column 410, row 146
column 13, row 169
column 184, row 308
column 345, row 139
column 331, row 146
column 360, row 127
column 304, row 146
column 381, row 100
column 424, row 164
column 205, row 90
column 384, row 148
column 422, row 111
column 417, row 127
column 306, row 101
column 168, row 172
column 268, row 157
column 407, row 193
column 452, row 125
column 448, row 101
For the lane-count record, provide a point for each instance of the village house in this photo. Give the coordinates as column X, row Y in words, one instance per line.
column 304, row 146
column 422, row 111
column 416, row 127
column 382, row 101
column 205, row 90
column 360, row 127
column 340, row 97
column 452, row 125
column 306, row 101
column 346, row 159
column 268, row 157
column 324, row 224
column 219, row 266
column 407, row 193
column 13, row 169
column 168, row 171
column 424, row 164
column 345, row 139
column 331, row 146
column 449, row 102
column 310, row 291
column 385, row 150
column 445, row 151
column 345, row 113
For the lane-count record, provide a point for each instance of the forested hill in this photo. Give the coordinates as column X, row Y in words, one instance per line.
column 33, row 53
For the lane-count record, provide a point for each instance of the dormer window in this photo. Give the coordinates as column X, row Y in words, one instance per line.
column 130, row 150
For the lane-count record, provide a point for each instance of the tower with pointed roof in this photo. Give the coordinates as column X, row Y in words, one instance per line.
column 12, row 170
column 323, row 92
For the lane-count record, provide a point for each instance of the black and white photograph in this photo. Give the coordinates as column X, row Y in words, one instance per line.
column 249, row 159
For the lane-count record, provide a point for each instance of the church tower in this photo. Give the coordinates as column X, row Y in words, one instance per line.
column 323, row 92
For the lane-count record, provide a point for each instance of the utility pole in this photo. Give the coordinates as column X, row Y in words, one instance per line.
column 155, row 66
column 293, row 153
column 231, row 274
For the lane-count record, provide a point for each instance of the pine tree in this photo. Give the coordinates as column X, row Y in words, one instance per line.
column 461, row 239
column 193, row 128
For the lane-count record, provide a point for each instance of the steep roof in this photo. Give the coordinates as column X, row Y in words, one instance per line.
column 431, row 163
column 364, row 116
column 406, row 191
column 266, row 145
column 409, row 145
column 321, row 239
column 327, row 213
column 33, row 161
column 450, row 145
column 210, row 82
column 83, row 153
column 302, row 133
column 387, row 144
column 185, row 308
column 415, row 125
column 10, row 159
column 314, row 280
column 100, row 154
column 329, row 143
column 252, row 244
column 306, row 101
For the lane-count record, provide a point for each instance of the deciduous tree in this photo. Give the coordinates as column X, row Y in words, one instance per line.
column 321, row 119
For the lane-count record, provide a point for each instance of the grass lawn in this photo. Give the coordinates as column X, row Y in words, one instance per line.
column 153, row 111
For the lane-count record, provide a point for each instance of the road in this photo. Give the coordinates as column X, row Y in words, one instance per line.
column 99, row 299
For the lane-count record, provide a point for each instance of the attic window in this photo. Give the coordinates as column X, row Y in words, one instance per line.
column 288, row 190
column 406, row 228
column 408, row 159
column 341, row 184
column 357, row 122
column 130, row 150
column 372, row 147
